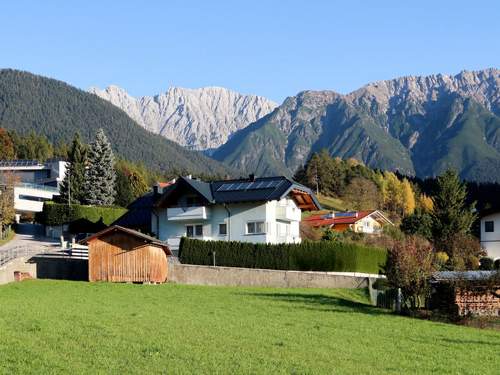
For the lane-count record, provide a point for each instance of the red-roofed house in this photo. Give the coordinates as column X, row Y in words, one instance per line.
column 371, row 221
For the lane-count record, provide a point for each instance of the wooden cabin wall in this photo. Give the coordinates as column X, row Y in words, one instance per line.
column 118, row 257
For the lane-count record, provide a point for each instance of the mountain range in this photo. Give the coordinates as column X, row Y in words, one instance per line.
column 415, row 125
column 57, row 110
column 200, row 119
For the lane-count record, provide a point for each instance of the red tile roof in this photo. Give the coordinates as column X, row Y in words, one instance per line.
column 321, row 221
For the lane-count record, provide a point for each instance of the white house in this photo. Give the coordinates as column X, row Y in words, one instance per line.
column 369, row 222
column 265, row 210
column 490, row 233
column 35, row 182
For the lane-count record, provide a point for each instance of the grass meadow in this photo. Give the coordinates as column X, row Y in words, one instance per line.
column 61, row 327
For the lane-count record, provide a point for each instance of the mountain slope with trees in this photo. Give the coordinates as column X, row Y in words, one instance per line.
column 414, row 125
column 52, row 108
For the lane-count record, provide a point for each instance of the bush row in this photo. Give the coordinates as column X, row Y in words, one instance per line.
column 307, row 256
column 58, row 214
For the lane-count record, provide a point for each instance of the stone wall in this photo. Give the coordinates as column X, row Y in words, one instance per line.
column 19, row 265
column 232, row 276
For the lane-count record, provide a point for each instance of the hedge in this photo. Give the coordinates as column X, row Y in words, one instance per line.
column 59, row 214
column 307, row 256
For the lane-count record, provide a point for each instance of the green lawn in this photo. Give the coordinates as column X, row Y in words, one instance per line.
column 76, row 327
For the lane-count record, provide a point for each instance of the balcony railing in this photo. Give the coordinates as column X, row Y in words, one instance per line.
column 187, row 213
column 288, row 213
column 27, row 185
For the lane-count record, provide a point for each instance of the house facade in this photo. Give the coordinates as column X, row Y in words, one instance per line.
column 261, row 210
column 35, row 182
column 369, row 222
column 490, row 234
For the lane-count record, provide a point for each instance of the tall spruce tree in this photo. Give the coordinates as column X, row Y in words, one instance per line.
column 100, row 177
column 73, row 184
column 451, row 215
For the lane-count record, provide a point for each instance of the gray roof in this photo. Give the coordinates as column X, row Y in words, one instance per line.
column 243, row 190
column 462, row 275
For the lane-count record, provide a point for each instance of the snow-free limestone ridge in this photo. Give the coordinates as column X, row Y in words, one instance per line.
column 200, row 119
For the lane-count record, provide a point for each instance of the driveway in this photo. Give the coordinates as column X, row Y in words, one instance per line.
column 29, row 236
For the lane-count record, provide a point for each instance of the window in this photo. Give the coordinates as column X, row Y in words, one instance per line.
column 255, row 227
column 194, row 230
column 222, row 229
column 489, row 226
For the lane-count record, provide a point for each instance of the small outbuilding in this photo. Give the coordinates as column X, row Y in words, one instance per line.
column 466, row 293
column 119, row 254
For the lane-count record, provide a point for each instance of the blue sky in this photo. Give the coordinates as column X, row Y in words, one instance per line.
column 270, row 48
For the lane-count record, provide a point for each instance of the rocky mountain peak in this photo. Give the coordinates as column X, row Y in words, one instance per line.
column 200, row 119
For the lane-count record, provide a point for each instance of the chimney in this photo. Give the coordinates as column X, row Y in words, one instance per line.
column 251, row 177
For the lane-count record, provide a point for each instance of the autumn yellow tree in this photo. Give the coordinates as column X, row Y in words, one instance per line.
column 394, row 194
column 408, row 197
column 426, row 203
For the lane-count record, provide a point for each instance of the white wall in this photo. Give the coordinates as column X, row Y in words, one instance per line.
column 277, row 228
column 490, row 241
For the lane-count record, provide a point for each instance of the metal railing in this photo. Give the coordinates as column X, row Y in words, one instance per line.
column 11, row 254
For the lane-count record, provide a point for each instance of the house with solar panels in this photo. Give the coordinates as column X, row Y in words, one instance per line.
column 368, row 221
column 258, row 210
column 35, row 182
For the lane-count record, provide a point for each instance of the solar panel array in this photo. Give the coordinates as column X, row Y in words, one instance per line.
column 254, row 185
column 345, row 214
column 18, row 163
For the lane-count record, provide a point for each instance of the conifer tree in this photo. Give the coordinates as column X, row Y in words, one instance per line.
column 451, row 215
column 73, row 184
column 100, row 177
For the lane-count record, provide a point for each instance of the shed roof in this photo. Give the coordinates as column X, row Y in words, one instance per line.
column 131, row 232
column 444, row 276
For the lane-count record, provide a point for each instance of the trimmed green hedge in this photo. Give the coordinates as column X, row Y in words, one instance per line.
column 307, row 256
column 59, row 214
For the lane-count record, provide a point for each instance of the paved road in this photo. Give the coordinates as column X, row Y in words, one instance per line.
column 29, row 235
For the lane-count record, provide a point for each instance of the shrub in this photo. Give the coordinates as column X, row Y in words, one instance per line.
column 465, row 252
column 440, row 260
column 486, row 264
column 496, row 265
column 409, row 266
column 307, row 256
column 59, row 214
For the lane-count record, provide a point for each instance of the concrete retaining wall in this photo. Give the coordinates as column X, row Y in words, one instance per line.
column 232, row 276
column 19, row 264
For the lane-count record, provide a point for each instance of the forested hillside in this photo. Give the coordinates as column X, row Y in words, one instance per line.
column 52, row 108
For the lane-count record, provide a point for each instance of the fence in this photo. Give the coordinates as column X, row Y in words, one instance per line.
column 11, row 254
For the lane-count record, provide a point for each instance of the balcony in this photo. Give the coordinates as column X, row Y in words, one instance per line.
column 187, row 213
column 288, row 213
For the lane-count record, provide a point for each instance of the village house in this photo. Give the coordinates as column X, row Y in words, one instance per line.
column 370, row 222
column 258, row 210
column 490, row 233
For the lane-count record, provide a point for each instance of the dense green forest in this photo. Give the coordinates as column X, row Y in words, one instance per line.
column 43, row 106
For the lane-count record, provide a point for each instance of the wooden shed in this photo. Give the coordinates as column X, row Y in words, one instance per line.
column 119, row 254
